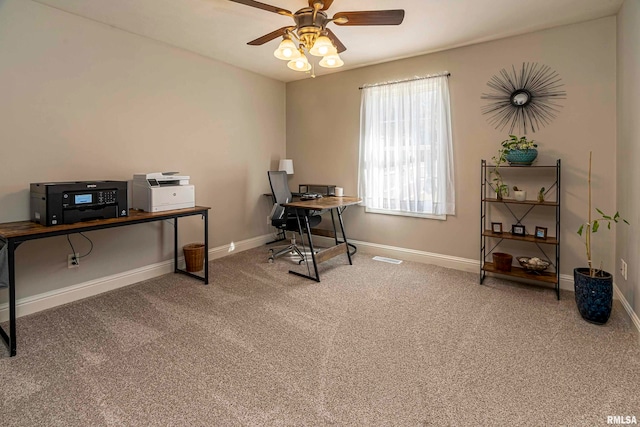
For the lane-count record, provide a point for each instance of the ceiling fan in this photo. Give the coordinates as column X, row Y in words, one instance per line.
column 311, row 31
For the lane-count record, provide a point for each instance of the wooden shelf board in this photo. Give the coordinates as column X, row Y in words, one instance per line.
column 524, row 202
column 547, row 277
column 530, row 239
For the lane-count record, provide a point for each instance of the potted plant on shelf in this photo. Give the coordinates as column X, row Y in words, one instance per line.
column 516, row 151
column 499, row 186
column 519, row 151
column 594, row 286
column 520, row 195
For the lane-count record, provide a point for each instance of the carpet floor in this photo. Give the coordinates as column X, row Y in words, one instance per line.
column 371, row 344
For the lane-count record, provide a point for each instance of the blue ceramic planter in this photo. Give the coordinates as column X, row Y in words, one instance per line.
column 594, row 295
column 521, row 157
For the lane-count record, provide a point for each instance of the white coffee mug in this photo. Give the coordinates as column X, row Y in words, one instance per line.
column 339, row 191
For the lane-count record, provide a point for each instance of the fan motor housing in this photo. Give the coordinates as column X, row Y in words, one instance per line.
column 308, row 27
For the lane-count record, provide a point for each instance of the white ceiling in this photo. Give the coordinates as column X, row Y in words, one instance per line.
column 220, row 29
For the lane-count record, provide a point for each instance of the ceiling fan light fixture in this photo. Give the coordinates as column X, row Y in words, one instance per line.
column 299, row 64
column 287, row 50
column 332, row 61
column 323, row 46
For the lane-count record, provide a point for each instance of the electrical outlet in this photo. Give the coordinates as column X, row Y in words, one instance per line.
column 73, row 260
column 623, row 268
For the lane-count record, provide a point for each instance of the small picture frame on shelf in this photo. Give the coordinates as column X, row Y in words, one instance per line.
column 541, row 232
column 496, row 227
column 518, row 230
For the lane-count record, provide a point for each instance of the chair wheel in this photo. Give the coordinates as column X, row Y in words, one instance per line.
column 271, row 251
column 270, row 260
column 300, row 262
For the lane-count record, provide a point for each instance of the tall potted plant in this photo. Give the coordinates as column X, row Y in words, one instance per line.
column 594, row 286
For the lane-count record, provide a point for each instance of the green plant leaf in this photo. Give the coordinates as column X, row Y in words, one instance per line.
column 596, row 225
column 626, row 221
column 580, row 229
column 609, row 225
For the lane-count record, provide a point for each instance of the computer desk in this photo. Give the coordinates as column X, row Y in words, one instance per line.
column 331, row 203
column 16, row 233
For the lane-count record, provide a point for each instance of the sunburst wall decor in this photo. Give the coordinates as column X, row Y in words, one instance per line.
column 525, row 99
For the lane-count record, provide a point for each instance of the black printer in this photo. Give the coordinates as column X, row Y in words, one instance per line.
column 70, row 202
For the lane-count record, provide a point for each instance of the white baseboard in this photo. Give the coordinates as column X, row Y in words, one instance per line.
column 36, row 303
column 463, row 264
column 632, row 315
column 448, row 261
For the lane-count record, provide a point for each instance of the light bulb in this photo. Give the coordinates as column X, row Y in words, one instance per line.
column 331, row 61
column 323, row 46
column 299, row 64
column 287, row 50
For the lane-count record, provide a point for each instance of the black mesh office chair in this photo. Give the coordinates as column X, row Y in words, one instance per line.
column 283, row 218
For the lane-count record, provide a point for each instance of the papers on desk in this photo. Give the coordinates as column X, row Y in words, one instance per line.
column 310, row 196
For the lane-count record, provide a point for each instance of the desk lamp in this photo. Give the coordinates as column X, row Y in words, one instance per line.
column 286, row 165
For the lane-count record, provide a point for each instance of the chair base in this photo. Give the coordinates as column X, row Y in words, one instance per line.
column 293, row 249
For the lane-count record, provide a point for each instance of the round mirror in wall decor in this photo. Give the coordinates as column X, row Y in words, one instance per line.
column 524, row 99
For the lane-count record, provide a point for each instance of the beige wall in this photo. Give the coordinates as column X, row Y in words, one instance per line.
column 628, row 173
column 84, row 101
column 323, row 134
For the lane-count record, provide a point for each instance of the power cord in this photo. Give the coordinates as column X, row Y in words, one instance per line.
column 73, row 251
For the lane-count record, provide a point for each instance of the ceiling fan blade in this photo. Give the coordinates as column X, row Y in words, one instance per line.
column 372, row 17
column 264, row 6
column 326, row 4
column 336, row 41
column 268, row 37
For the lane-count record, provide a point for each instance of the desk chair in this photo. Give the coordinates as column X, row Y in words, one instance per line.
column 283, row 218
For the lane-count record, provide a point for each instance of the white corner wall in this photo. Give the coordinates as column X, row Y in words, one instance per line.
column 628, row 150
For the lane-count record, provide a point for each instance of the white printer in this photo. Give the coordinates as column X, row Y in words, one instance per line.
column 162, row 191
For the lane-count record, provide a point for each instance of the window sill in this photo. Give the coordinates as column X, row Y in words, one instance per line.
column 403, row 213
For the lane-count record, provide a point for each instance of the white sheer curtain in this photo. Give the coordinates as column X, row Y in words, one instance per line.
column 406, row 153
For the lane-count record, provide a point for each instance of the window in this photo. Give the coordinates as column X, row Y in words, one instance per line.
column 406, row 153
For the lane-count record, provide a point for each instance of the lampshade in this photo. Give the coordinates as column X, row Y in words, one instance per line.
column 286, row 165
column 300, row 64
column 331, row 61
column 323, row 47
column 287, row 50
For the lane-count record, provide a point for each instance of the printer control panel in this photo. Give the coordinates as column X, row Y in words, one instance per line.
column 89, row 198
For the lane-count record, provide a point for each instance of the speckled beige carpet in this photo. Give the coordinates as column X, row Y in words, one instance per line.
column 372, row 344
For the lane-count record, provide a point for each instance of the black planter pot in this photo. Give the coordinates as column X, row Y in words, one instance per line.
column 594, row 295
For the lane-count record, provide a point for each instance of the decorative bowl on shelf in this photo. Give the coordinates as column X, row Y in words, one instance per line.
column 521, row 157
column 534, row 264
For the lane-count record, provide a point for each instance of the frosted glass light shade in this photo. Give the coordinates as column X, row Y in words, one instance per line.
column 323, row 47
column 287, row 50
column 300, row 64
column 286, row 165
column 331, row 61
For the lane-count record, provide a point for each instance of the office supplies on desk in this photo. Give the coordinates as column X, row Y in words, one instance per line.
column 325, row 190
column 70, row 202
column 162, row 191
column 310, row 196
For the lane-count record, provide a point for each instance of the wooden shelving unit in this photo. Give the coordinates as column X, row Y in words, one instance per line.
column 490, row 241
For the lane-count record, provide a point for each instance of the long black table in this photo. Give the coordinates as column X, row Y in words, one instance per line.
column 16, row 233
